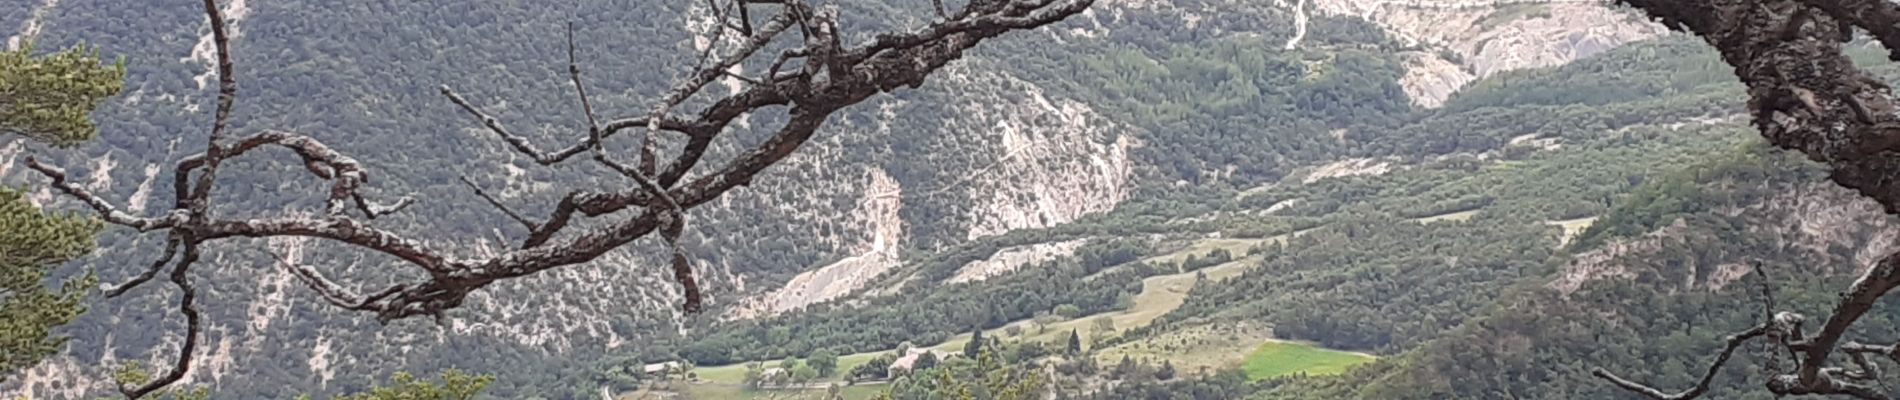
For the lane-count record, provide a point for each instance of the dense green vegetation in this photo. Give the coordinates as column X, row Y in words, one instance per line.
column 46, row 98
column 1225, row 384
column 50, row 97
column 1373, row 278
column 454, row 385
column 1196, row 102
column 1534, row 343
column 1284, row 358
column 987, row 376
column 1684, row 193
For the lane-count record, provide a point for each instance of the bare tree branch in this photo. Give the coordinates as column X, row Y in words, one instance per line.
column 831, row 77
column 346, row 175
column 172, row 243
column 498, row 205
column 187, row 305
column 674, row 222
column 1879, row 17
column 339, row 229
column 1701, row 386
column 105, row 209
column 1805, row 94
column 587, row 106
column 550, row 158
column 227, row 96
column 328, row 289
column 704, row 75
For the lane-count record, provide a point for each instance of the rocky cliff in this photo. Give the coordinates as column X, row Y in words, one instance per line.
column 1462, row 40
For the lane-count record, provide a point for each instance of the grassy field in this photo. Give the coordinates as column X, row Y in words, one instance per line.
column 1284, row 358
column 1200, row 248
column 1235, row 246
column 1159, row 295
column 735, row 373
column 728, row 382
column 724, row 374
column 1211, row 346
column 1452, row 216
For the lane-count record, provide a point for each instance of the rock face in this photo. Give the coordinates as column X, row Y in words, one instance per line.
column 1020, row 158
column 1059, row 160
column 1814, row 218
column 1007, row 260
column 34, row 23
column 877, row 213
column 1429, row 80
column 1345, row 168
column 1491, row 36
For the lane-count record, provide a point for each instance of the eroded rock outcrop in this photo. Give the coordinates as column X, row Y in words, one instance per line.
column 1491, row 36
column 1814, row 219
column 877, row 213
column 1010, row 259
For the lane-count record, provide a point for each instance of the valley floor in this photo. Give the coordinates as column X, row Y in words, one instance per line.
column 1214, row 346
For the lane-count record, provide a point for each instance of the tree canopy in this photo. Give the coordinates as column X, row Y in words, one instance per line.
column 47, row 98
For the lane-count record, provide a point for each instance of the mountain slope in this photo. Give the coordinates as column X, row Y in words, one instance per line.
column 1656, row 300
column 1034, row 132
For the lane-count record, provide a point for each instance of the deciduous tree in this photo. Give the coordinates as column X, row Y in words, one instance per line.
column 824, row 361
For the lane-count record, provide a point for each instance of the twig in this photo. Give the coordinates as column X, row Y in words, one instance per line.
column 498, row 205
column 328, row 289
column 587, row 107
column 172, row 243
column 193, row 326
column 521, row 144
column 105, row 209
column 673, row 225
column 1701, row 386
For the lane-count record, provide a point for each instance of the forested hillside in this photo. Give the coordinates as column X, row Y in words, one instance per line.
column 1381, row 179
column 1501, row 260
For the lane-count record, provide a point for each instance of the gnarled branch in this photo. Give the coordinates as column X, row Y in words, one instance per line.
column 105, row 209
column 831, row 77
column 194, row 326
column 172, row 243
column 1701, row 386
